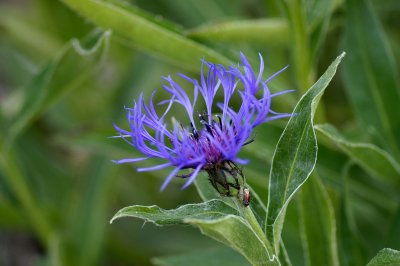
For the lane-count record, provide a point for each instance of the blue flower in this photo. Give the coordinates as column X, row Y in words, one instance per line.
column 211, row 142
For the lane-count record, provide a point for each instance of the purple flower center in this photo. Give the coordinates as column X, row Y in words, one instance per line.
column 204, row 145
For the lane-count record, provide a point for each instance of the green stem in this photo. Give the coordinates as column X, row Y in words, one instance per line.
column 301, row 50
column 248, row 215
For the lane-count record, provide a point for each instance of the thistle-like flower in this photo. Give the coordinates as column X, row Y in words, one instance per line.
column 212, row 141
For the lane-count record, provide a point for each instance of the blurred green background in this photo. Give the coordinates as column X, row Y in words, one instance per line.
column 66, row 75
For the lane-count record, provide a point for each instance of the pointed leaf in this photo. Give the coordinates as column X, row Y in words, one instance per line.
column 208, row 210
column 386, row 257
column 295, row 155
column 216, row 219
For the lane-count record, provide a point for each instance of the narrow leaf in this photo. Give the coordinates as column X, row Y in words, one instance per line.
column 295, row 155
column 386, row 257
column 268, row 31
column 370, row 75
column 371, row 158
column 208, row 210
column 318, row 224
column 141, row 31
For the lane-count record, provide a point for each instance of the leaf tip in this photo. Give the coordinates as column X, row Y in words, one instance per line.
column 116, row 216
column 113, row 218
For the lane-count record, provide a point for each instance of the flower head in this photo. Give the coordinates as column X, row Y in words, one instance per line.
column 210, row 142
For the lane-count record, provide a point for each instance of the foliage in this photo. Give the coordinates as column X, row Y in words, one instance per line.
column 324, row 184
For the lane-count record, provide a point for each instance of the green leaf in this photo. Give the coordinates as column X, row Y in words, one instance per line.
column 295, row 155
column 371, row 158
column 210, row 257
column 216, row 219
column 370, row 75
column 75, row 64
column 142, row 32
column 208, row 210
column 234, row 232
column 267, row 31
column 386, row 257
column 318, row 224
